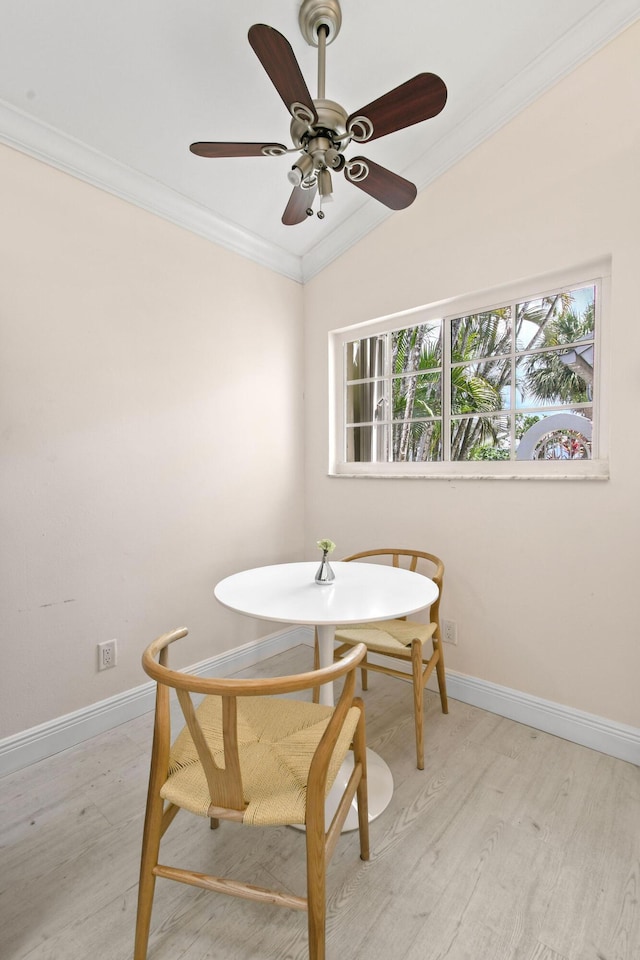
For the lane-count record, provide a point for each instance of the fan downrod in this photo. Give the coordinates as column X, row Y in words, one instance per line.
column 314, row 14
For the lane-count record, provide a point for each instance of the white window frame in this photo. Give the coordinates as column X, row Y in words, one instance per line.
column 595, row 273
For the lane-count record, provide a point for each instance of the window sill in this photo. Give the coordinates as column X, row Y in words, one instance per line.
column 478, row 470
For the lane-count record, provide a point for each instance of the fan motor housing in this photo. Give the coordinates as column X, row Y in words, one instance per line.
column 332, row 120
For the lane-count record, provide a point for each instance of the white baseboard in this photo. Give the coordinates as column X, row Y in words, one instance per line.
column 597, row 733
column 48, row 738
column 587, row 729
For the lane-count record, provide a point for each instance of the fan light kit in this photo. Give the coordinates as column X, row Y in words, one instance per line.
column 321, row 130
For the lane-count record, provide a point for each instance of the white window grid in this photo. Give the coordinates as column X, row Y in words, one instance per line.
column 459, row 309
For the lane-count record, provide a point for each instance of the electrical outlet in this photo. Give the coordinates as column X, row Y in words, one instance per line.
column 450, row 631
column 107, row 654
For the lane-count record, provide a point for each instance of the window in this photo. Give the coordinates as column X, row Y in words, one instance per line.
column 477, row 388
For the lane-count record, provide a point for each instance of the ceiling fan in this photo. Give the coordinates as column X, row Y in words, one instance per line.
column 321, row 130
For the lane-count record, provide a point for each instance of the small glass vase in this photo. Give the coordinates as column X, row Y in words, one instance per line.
column 325, row 574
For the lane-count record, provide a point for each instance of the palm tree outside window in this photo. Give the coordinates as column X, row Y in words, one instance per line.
column 469, row 388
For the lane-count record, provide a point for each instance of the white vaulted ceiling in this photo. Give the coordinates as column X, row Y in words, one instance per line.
column 115, row 92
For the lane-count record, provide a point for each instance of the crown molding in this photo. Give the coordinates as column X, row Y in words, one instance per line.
column 43, row 142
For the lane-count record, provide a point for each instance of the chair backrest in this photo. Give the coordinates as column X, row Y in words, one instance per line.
column 417, row 561
column 225, row 783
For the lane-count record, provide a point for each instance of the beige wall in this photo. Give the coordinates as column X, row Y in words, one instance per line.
column 542, row 576
column 150, row 424
column 151, row 398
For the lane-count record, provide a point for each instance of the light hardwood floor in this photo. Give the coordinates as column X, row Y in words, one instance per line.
column 510, row 845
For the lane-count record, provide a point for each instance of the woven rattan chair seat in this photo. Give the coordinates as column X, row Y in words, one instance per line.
column 386, row 636
column 277, row 738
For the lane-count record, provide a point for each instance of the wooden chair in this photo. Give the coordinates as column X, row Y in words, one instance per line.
column 403, row 639
column 223, row 766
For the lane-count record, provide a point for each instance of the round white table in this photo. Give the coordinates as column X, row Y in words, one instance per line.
column 360, row 593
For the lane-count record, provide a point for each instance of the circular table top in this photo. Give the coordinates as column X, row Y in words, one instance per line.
column 360, row 593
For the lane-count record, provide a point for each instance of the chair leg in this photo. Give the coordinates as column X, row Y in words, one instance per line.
column 214, row 823
column 442, row 683
column 418, row 700
column 316, row 877
column 364, row 674
column 360, row 756
column 150, row 847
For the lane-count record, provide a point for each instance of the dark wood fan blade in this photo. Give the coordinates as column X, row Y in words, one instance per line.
column 218, row 150
column 299, row 202
column 381, row 184
column 277, row 57
column 418, row 99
